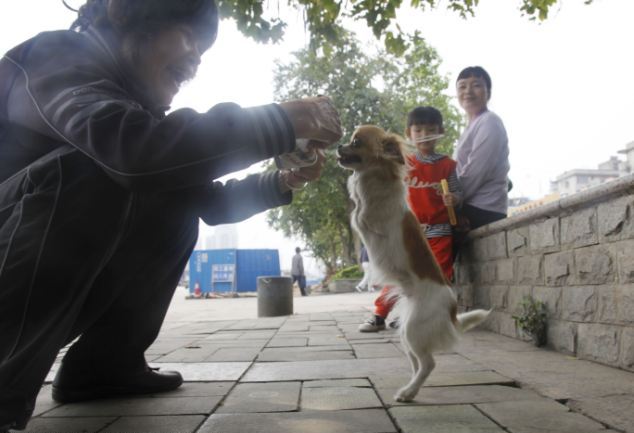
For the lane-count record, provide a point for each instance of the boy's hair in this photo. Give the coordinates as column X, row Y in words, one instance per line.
column 476, row 72
column 148, row 16
column 424, row 116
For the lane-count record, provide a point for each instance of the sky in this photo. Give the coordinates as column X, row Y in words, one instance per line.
column 563, row 87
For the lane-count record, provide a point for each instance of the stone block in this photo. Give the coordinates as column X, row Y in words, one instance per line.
column 558, row 268
column 551, row 296
column 613, row 410
column 530, row 270
column 498, row 296
column 156, row 424
column 505, row 272
column 544, row 236
column 482, row 296
column 594, row 265
column 626, row 360
column 562, row 336
column 607, row 304
column 615, row 219
column 501, row 323
column 599, row 343
column 517, row 241
column 625, row 261
column 486, row 273
column 625, row 314
column 578, row 304
column 579, row 229
column 515, row 296
column 496, row 245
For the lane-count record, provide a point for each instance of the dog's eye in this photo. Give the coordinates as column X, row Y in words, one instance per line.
column 356, row 142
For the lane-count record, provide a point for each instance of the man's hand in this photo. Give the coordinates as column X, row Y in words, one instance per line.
column 314, row 118
column 298, row 178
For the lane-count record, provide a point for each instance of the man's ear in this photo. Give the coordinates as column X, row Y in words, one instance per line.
column 119, row 13
column 392, row 148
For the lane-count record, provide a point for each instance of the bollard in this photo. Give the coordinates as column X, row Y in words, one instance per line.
column 275, row 296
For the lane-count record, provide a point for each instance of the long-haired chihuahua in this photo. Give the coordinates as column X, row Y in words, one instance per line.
column 399, row 252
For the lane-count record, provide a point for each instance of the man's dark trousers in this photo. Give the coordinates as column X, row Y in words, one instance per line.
column 82, row 256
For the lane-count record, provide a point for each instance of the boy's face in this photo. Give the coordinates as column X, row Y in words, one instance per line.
column 165, row 61
column 418, row 132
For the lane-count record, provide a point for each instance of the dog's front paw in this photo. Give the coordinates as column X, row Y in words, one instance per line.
column 405, row 394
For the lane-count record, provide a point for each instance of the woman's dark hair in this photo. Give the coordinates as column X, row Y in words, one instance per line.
column 148, row 16
column 424, row 116
column 476, row 72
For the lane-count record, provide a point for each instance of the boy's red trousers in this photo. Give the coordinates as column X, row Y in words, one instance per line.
column 442, row 249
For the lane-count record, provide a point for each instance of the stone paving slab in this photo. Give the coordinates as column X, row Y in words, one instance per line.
column 137, row 406
column 358, row 368
column 67, row 425
column 381, row 350
column 197, row 389
column 348, row 421
column 360, row 383
column 288, row 342
column 286, row 355
column 443, row 419
column 262, row 397
column 234, row 354
column 617, row 411
column 443, row 379
column 339, row 398
column 544, row 416
column 206, row 371
column 438, row 395
column 156, row 424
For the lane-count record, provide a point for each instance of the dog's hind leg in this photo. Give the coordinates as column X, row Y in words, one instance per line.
column 410, row 355
column 426, row 365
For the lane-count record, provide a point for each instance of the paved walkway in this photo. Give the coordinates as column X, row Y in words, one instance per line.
column 314, row 372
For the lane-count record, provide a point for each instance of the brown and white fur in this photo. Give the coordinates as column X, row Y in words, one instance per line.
column 399, row 252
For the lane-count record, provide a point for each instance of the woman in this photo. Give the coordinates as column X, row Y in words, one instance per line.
column 482, row 151
column 101, row 191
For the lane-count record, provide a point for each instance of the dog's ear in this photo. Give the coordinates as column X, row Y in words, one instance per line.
column 393, row 148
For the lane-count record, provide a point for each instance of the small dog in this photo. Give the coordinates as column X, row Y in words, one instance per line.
column 399, row 251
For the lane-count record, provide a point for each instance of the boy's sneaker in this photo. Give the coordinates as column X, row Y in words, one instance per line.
column 375, row 324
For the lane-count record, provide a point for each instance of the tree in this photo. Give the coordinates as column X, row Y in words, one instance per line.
column 323, row 17
column 379, row 89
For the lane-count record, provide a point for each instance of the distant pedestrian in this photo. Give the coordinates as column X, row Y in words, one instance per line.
column 297, row 271
column 366, row 282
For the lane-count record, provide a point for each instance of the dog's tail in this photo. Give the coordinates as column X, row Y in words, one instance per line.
column 471, row 319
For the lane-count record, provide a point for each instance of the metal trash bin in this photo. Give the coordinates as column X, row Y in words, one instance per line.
column 275, row 296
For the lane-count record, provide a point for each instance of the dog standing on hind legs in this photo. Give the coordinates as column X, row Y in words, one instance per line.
column 399, row 252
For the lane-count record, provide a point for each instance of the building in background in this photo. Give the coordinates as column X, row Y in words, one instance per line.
column 580, row 179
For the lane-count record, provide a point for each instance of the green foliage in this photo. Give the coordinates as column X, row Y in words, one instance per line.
column 532, row 319
column 354, row 272
column 323, row 18
column 379, row 89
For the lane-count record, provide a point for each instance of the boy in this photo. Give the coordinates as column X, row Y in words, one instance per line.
column 101, row 192
column 425, row 197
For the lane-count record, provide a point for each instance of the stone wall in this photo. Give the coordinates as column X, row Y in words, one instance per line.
column 577, row 256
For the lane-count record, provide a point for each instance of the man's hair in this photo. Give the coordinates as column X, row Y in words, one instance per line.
column 424, row 116
column 148, row 16
column 297, row 249
column 476, row 72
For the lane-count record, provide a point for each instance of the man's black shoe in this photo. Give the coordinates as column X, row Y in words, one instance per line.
column 73, row 386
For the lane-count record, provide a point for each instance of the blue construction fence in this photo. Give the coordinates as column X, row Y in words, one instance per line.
column 231, row 270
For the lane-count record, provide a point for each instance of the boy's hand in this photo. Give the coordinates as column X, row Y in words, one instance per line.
column 450, row 200
column 314, row 118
